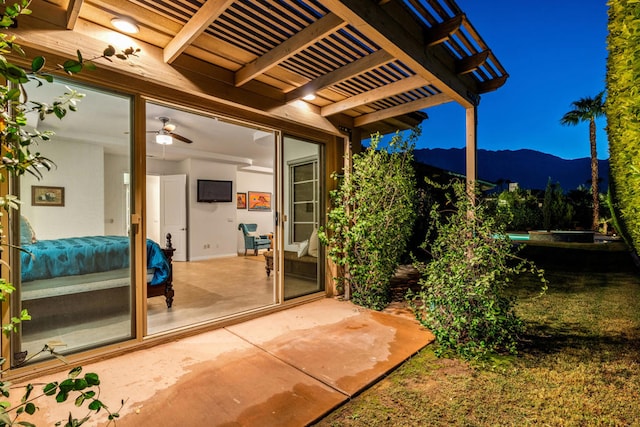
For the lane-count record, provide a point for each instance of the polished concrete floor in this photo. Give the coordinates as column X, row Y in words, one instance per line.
column 204, row 291
column 212, row 289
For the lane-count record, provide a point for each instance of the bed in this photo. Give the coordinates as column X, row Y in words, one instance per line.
column 84, row 264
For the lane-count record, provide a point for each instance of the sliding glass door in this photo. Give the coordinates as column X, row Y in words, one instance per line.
column 75, row 268
column 212, row 189
column 302, row 173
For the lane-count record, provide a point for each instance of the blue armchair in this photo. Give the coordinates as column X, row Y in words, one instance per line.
column 253, row 240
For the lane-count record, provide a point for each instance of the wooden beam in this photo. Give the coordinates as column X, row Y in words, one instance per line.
column 471, row 115
column 362, row 65
column 73, row 10
column 493, row 84
column 471, row 63
column 324, row 26
column 399, row 110
column 441, row 32
column 404, row 42
column 207, row 13
column 374, row 95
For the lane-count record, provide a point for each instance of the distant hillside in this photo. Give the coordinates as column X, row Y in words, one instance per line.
column 530, row 169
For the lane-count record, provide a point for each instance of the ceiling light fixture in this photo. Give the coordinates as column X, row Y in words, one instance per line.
column 164, row 139
column 126, row 25
column 309, row 97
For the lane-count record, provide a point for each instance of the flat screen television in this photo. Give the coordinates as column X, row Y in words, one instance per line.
column 213, row 191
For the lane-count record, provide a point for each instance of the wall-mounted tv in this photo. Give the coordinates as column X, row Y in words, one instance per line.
column 213, row 191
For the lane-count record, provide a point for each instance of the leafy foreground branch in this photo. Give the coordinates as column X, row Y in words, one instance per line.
column 18, row 158
column 82, row 389
column 463, row 298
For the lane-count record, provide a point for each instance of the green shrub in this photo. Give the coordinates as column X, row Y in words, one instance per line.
column 372, row 219
column 462, row 298
column 623, row 112
column 518, row 210
column 556, row 212
column 581, row 200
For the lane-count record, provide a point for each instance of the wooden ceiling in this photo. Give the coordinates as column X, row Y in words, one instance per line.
column 372, row 64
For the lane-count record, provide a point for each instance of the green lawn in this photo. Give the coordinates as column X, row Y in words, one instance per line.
column 579, row 364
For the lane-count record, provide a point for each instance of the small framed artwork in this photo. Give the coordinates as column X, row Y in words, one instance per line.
column 47, row 196
column 259, row 201
column 241, row 200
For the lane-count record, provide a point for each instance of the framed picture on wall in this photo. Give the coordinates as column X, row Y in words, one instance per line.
column 259, row 201
column 47, row 196
column 241, row 200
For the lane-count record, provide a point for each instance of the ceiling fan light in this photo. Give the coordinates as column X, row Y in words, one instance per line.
column 126, row 25
column 164, row 139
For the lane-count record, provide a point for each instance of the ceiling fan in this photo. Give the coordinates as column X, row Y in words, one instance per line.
column 165, row 135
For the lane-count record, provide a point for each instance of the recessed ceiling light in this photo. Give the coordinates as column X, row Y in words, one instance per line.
column 309, row 97
column 126, row 25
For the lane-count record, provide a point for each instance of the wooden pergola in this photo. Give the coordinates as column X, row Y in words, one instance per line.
column 372, row 65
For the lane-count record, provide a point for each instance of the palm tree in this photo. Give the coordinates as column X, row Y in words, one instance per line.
column 588, row 110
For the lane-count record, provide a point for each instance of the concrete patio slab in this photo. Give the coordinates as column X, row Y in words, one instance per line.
column 285, row 369
column 342, row 345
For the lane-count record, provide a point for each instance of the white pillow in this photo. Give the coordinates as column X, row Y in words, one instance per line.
column 313, row 243
column 303, row 247
column 253, row 234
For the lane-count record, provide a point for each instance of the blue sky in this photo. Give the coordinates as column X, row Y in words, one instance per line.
column 555, row 53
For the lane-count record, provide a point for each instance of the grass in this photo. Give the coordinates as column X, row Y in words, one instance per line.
column 579, row 364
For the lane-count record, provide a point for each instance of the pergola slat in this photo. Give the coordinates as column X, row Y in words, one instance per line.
column 290, row 47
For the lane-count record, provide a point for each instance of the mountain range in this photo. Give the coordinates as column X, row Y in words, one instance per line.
column 529, row 168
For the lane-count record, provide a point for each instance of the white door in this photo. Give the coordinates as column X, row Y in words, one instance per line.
column 173, row 213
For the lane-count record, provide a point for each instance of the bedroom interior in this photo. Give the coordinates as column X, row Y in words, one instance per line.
column 212, row 278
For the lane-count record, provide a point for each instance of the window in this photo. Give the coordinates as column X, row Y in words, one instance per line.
column 304, row 200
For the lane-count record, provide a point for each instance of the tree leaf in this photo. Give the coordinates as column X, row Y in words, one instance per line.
column 75, row 372
column 72, row 66
column 50, row 389
column 92, row 379
column 30, row 408
column 109, row 51
column 38, row 64
column 80, row 384
column 15, row 74
column 62, row 396
column 95, row 405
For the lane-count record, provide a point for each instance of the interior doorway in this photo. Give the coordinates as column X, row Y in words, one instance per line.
column 167, row 212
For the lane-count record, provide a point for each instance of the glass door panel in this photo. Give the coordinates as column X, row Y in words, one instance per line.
column 74, row 274
column 302, row 253
column 200, row 189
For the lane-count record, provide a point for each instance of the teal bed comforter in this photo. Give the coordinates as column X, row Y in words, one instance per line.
column 72, row 256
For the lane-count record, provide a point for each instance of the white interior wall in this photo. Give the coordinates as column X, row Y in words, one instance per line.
column 251, row 181
column 115, row 221
column 80, row 170
column 211, row 225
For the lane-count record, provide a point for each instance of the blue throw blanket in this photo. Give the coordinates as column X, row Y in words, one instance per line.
column 46, row 259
